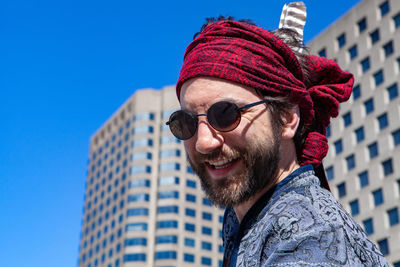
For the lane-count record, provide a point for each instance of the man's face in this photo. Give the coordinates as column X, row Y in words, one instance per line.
column 232, row 166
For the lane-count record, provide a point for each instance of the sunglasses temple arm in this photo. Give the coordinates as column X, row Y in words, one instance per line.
column 254, row 104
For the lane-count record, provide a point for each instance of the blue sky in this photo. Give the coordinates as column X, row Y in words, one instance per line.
column 65, row 67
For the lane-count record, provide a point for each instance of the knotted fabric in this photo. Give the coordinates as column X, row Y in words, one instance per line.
column 256, row 58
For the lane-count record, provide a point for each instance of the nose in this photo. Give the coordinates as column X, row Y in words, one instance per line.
column 208, row 139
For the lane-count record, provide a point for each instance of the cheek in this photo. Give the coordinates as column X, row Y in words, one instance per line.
column 189, row 147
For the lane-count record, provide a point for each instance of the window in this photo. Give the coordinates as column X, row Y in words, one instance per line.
column 354, row 207
column 166, row 153
column 189, row 242
column 341, row 40
column 387, row 167
column 365, row 65
column 135, row 257
column 393, row 91
column 206, row 261
column 341, row 189
column 378, row 197
column 141, row 197
column 191, row 183
column 165, row 255
column 374, row 36
column 188, row 257
column 351, row 162
column 378, row 77
column 168, row 209
column 356, row 92
column 168, row 180
column 206, row 230
column 206, row 245
column 144, row 129
column 322, row 52
column 396, row 264
column 338, row 146
column 140, row 156
column 190, row 212
column 330, row 174
column 369, row 106
column 388, row 48
column 190, row 198
column 207, row 216
column 393, row 215
column 364, row 179
column 148, row 116
column 383, row 121
column 167, row 224
column 384, row 246
column 139, row 183
column 373, row 150
column 138, row 241
column 138, row 169
column 328, row 131
column 347, row 119
column 396, row 137
column 190, row 227
column 353, row 52
column 384, row 8
column 368, row 226
column 142, row 142
column 206, row 202
column 168, row 195
column 169, row 166
column 137, row 212
column 360, row 135
column 362, row 24
column 396, row 20
column 167, row 239
column 169, row 140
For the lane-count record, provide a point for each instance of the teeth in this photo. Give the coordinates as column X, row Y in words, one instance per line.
column 220, row 163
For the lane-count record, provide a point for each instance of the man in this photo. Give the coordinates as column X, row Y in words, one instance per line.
column 253, row 120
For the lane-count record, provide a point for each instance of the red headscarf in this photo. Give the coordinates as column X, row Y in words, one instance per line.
column 254, row 57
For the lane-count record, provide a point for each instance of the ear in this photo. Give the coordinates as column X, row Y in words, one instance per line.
column 291, row 120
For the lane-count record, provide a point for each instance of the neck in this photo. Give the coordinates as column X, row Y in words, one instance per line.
column 283, row 171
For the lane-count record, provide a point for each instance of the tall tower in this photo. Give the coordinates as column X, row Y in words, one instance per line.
column 143, row 204
column 363, row 164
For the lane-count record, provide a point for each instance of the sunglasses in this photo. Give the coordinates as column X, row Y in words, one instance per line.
column 223, row 116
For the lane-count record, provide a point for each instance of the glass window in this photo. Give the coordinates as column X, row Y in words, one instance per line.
column 373, row 150
column 139, row 183
column 141, row 197
column 168, row 195
column 191, row 183
column 188, row 257
column 328, row 131
column 393, row 215
column 167, row 239
column 167, row 113
column 369, row 106
column 165, row 255
column 338, row 146
column 388, row 48
column 341, row 189
column 383, row 121
column 374, row 36
column 384, row 8
column 206, row 245
column 169, row 140
column 396, row 137
column 322, row 52
column 142, row 142
column 167, row 224
column 387, row 167
column 139, row 169
column 360, row 135
column 341, row 40
column 190, row 212
column 168, row 180
column 356, row 92
column 206, row 230
column 330, row 174
column 364, row 179
column 396, row 264
column 365, row 65
column 190, row 227
column 354, row 207
column 384, row 246
column 362, row 24
column 168, row 209
column 393, row 91
column 143, row 129
column 207, row 216
column 138, row 241
column 351, row 162
column 166, row 153
column 140, row 156
column 353, row 52
column 137, row 212
column 378, row 77
column 135, row 257
column 169, row 166
column 206, row 202
column 190, row 198
column 378, row 197
column 368, row 226
column 396, row 20
column 347, row 119
column 148, row 116
column 206, row 261
column 189, row 242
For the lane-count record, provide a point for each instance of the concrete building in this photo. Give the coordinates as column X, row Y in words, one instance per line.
column 143, row 204
column 363, row 164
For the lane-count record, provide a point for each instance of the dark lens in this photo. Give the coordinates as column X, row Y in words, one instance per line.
column 182, row 124
column 224, row 116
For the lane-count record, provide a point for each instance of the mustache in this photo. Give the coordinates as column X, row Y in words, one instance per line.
column 219, row 154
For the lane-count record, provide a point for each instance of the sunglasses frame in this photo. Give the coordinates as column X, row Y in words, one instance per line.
column 195, row 116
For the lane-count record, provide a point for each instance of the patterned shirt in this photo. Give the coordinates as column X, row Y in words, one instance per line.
column 297, row 223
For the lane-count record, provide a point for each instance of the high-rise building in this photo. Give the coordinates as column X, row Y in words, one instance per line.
column 143, row 204
column 363, row 164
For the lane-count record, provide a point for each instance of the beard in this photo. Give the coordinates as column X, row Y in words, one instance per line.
column 260, row 160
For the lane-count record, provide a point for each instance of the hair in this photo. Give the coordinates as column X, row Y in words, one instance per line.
column 279, row 106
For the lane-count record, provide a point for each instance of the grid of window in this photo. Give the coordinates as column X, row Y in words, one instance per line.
column 347, row 119
column 378, row 78
column 393, row 215
column 167, row 239
column 168, row 195
column 387, row 167
column 136, row 227
column 141, row 197
column 396, row 20
column 360, row 134
column 341, row 40
column 384, row 8
column 353, row 52
column 143, row 129
column 384, row 246
column 322, row 52
column 388, row 48
column 190, row 227
column 190, row 212
column 362, row 24
column 396, row 137
column 365, row 64
column 168, row 209
column 368, row 226
column 189, row 242
column 137, row 212
column 190, row 198
column 338, row 146
column 206, row 230
column 364, row 179
column 167, row 224
column 341, row 189
column 206, row 261
column 188, row 257
column 369, row 106
column 351, row 162
column 138, row 241
column 393, row 91
column 373, row 150
column 354, row 207
column 191, row 183
column 207, row 216
column 169, row 166
column 375, row 36
column 168, row 180
column 330, row 174
column 383, row 121
column 165, row 255
column 134, row 257
column 356, row 92
column 378, row 197
column 206, row 245
column 147, row 116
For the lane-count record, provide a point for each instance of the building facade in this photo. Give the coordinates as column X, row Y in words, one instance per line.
column 143, row 204
column 363, row 164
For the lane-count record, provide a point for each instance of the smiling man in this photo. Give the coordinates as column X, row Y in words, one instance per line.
column 254, row 112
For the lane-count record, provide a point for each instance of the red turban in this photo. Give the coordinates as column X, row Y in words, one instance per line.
column 254, row 57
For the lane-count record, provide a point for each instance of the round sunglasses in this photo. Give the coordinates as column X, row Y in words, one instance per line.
column 223, row 116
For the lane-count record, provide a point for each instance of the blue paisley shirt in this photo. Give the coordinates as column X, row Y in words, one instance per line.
column 297, row 223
